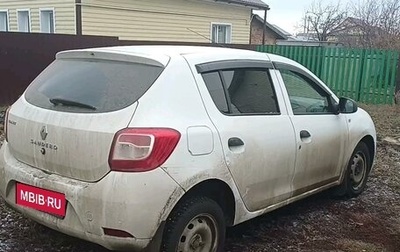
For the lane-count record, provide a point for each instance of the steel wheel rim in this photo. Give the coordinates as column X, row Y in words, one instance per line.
column 199, row 235
column 358, row 170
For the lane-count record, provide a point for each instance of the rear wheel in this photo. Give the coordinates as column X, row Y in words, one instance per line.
column 357, row 172
column 197, row 224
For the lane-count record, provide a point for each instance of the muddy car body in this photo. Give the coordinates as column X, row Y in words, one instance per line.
column 162, row 147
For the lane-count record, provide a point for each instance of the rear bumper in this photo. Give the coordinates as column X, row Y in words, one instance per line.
column 134, row 203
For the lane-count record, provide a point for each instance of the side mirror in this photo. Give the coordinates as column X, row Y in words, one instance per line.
column 347, row 106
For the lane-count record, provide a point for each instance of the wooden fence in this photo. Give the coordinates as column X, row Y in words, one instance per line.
column 368, row 76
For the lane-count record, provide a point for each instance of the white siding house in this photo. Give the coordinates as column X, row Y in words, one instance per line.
column 223, row 21
column 36, row 16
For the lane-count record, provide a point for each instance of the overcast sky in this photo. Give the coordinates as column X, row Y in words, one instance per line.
column 287, row 14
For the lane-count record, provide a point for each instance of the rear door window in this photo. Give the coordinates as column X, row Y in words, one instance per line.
column 242, row 91
column 91, row 86
column 250, row 91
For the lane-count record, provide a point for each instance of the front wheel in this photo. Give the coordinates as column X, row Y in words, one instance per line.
column 357, row 172
column 197, row 224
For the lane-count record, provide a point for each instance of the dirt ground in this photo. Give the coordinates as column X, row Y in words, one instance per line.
column 368, row 223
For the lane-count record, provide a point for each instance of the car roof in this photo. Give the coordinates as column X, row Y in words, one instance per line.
column 163, row 53
column 171, row 50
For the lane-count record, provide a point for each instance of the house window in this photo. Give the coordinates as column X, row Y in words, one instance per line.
column 4, row 21
column 221, row 33
column 47, row 21
column 24, row 22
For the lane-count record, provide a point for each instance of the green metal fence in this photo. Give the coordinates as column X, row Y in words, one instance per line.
column 365, row 75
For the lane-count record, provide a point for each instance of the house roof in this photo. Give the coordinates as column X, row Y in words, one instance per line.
column 259, row 4
column 278, row 31
column 287, row 34
column 352, row 23
column 355, row 21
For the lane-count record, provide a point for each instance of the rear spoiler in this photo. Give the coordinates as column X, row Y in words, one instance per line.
column 114, row 55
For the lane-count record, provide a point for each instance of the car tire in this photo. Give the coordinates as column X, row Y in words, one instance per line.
column 196, row 224
column 356, row 176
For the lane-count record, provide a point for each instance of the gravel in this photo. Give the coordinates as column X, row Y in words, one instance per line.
column 370, row 222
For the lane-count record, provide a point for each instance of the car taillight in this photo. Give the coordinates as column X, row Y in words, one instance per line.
column 142, row 149
column 6, row 122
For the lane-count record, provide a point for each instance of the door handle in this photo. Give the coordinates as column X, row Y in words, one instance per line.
column 234, row 142
column 305, row 134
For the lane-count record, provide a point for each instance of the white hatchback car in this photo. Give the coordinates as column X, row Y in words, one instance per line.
column 159, row 148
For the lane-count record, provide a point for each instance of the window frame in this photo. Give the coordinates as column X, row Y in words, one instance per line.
column 225, row 98
column 29, row 20
column 7, row 18
column 232, row 65
column 315, row 84
column 228, row 38
column 54, row 19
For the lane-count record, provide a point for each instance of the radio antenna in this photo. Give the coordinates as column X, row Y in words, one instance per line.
column 207, row 38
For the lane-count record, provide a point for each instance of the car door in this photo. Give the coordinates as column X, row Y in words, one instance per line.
column 321, row 133
column 255, row 131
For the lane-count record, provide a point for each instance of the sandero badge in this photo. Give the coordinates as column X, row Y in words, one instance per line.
column 43, row 144
column 43, row 133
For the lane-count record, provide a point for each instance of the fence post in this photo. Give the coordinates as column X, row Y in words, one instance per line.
column 320, row 60
column 361, row 73
column 397, row 81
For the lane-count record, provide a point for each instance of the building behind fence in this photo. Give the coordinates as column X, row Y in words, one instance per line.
column 368, row 76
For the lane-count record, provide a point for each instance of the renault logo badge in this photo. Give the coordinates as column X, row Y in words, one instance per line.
column 43, row 133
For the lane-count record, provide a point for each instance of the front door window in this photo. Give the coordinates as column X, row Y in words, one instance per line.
column 306, row 97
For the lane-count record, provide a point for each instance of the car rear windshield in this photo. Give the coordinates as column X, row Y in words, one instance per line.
column 91, row 86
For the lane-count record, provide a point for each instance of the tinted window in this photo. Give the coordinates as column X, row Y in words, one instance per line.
column 306, row 97
column 105, row 85
column 250, row 91
column 215, row 87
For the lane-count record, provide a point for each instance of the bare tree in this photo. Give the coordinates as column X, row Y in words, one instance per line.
column 379, row 23
column 324, row 19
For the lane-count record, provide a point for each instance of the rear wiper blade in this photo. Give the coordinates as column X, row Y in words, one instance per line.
column 57, row 101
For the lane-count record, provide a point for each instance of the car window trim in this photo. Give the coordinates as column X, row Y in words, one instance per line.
column 226, row 93
column 232, row 64
column 254, row 114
